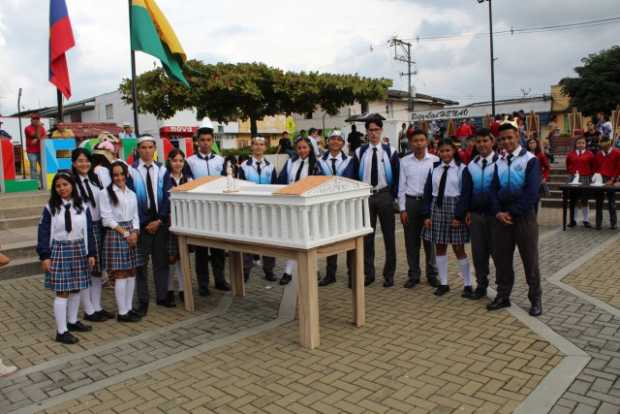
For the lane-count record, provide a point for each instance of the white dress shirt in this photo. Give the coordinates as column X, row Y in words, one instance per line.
column 413, row 175
column 154, row 173
column 295, row 166
column 339, row 160
column 79, row 226
column 126, row 209
column 382, row 183
column 94, row 210
column 453, row 181
column 104, row 176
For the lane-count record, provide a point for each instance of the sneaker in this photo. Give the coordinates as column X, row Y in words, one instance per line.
column 66, row 338
column 285, row 279
column 6, row 369
column 79, row 327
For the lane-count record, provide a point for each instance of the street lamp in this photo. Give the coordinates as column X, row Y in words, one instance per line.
column 492, row 55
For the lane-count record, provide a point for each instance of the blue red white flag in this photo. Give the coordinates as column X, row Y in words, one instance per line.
column 61, row 40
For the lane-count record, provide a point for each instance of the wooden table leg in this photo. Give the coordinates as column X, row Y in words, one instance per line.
column 236, row 274
column 359, row 305
column 188, row 293
column 308, row 292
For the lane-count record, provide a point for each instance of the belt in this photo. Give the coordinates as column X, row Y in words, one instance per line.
column 418, row 197
column 383, row 190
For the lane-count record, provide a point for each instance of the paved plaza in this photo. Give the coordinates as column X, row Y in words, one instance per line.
column 416, row 353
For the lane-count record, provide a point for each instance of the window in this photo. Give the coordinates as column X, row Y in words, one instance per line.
column 109, row 112
column 309, row 115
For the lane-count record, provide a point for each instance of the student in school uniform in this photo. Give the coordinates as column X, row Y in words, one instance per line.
column 514, row 197
column 179, row 175
column 607, row 162
column 414, row 170
column 336, row 163
column 377, row 164
column 260, row 171
column 102, row 159
column 202, row 164
column 302, row 165
column 580, row 161
column 147, row 181
column 89, row 190
column 120, row 216
column 475, row 208
column 443, row 224
column 67, row 250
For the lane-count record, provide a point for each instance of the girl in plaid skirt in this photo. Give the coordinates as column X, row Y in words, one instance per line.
column 119, row 213
column 67, row 250
column 441, row 196
column 89, row 188
column 179, row 174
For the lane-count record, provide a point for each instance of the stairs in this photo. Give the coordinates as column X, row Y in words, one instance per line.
column 19, row 216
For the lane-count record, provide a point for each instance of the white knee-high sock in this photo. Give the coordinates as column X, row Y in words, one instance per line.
column 87, row 304
column 442, row 268
column 95, row 293
column 177, row 267
column 60, row 314
column 586, row 214
column 288, row 268
column 74, row 306
column 464, row 267
column 131, row 286
column 120, row 288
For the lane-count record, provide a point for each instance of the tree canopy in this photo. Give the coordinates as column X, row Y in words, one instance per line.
column 228, row 92
column 597, row 87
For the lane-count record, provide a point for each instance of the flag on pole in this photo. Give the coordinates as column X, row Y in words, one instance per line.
column 152, row 34
column 61, row 40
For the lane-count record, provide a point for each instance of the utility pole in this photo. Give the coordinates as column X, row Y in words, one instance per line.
column 402, row 53
column 492, row 54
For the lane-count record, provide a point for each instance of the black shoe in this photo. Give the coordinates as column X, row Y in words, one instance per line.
column 388, row 282
column 66, row 338
column 572, row 224
column 327, row 280
column 203, row 291
column 134, row 313
column 222, row 285
column 79, row 327
column 182, row 297
column 498, row 303
column 166, row 303
column 142, row 310
column 614, row 227
column 468, row 292
column 599, row 227
column 129, row 317
column 479, row 293
column 433, row 281
column 286, row 279
column 246, row 275
column 411, row 283
column 350, row 282
column 95, row 317
column 368, row 280
column 171, row 297
column 270, row 277
column 587, row 225
column 106, row 314
column 442, row 290
column 536, row 309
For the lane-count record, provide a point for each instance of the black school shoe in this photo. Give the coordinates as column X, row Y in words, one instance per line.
column 106, row 314
column 285, row 279
column 271, row 277
column 442, row 290
column 171, row 297
column 95, row 317
column 388, row 282
column 498, row 303
column 128, row 318
column 327, row 280
column 587, row 225
column 66, row 338
column 571, row 224
column 182, row 297
column 433, row 281
column 411, row 283
column 479, row 293
column 468, row 292
column 223, row 286
column 166, row 303
column 79, row 327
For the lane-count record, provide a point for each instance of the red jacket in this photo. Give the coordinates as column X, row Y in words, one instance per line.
column 464, row 131
column 584, row 163
column 545, row 167
column 608, row 165
column 465, row 155
column 36, row 147
column 495, row 129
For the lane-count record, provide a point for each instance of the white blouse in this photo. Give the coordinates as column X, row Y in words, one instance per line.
column 79, row 225
column 453, row 181
column 104, row 175
column 126, row 209
column 94, row 210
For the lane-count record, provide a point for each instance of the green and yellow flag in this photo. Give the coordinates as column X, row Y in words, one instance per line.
column 151, row 33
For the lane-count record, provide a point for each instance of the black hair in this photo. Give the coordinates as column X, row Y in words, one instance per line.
column 484, row 132
column 55, row 201
column 418, row 131
column 100, row 160
column 204, row 131
column 377, row 121
column 75, row 154
column 242, row 158
column 110, row 189
column 450, row 142
column 311, row 131
column 311, row 155
column 185, row 171
column 538, row 149
column 506, row 127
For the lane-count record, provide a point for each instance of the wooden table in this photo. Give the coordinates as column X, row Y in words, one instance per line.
column 595, row 192
column 308, row 292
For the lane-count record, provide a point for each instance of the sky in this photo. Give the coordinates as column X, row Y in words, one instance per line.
column 344, row 36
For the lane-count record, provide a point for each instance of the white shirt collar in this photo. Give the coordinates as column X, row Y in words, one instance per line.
column 255, row 161
column 203, row 155
column 118, row 189
column 378, row 146
column 489, row 157
column 516, row 152
column 143, row 164
column 451, row 164
column 338, row 157
column 427, row 155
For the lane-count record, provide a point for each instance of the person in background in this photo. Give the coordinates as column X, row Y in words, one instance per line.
column 607, row 162
column 603, row 125
column 466, row 153
column 354, row 139
column 313, row 136
column 402, row 138
column 35, row 132
column 414, row 170
column 494, row 129
column 3, row 133
column 127, row 132
column 285, row 146
column 62, row 131
column 464, row 131
column 592, row 137
column 580, row 161
column 533, row 146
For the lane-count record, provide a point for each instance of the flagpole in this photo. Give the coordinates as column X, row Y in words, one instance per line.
column 134, row 94
column 60, row 106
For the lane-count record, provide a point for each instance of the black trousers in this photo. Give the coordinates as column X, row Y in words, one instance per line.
column 481, row 232
column 248, row 263
column 413, row 241
column 332, row 264
column 611, row 201
column 523, row 234
column 381, row 206
column 156, row 247
column 217, row 259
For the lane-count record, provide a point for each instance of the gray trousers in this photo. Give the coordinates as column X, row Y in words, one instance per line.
column 381, row 206
column 156, row 246
column 523, row 234
column 481, row 232
column 413, row 241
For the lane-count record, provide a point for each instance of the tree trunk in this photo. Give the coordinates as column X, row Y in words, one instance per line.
column 253, row 127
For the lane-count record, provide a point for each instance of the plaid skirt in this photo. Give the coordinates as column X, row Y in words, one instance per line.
column 69, row 268
column 441, row 231
column 116, row 251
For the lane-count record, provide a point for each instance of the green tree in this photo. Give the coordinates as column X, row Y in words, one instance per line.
column 597, row 87
column 229, row 92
